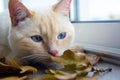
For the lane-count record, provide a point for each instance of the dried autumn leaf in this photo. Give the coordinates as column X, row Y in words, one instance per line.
column 68, row 55
column 61, row 75
column 69, row 68
column 72, row 61
column 28, row 69
column 7, row 69
column 13, row 63
column 48, row 77
column 66, row 77
column 14, row 78
column 70, row 58
column 22, row 68
column 75, row 63
column 2, row 60
column 76, row 66
column 14, row 68
column 50, row 71
column 83, row 72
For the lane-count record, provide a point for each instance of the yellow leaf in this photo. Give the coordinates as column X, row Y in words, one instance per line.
column 14, row 68
column 28, row 69
column 13, row 63
column 22, row 68
column 68, row 55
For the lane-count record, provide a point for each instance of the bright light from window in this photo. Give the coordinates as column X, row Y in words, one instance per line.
column 96, row 10
column 105, row 9
column 1, row 6
column 99, row 9
column 39, row 2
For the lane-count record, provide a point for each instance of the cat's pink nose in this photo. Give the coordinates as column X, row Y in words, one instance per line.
column 53, row 52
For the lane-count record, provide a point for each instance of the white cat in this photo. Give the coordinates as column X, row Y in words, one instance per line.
column 36, row 34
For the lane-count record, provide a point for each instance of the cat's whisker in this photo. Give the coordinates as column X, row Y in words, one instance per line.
column 29, row 56
column 35, row 57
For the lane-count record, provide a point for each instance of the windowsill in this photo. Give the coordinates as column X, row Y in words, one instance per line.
column 100, row 48
column 112, row 55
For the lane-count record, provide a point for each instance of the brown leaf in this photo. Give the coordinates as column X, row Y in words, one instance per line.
column 61, row 74
column 14, row 68
column 22, row 68
column 7, row 69
column 13, row 63
column 28, row 69
column 68, row 55
column 94, row 59
column 75, row 63
column 14, row 78
column 2, row 60
column 66, row 77
column 48, row 77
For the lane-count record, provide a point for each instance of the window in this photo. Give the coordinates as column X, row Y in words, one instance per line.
column 95, row 10
column 39, row 2
column 1, row 6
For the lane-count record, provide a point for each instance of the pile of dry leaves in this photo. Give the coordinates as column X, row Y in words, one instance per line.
column 76, row 67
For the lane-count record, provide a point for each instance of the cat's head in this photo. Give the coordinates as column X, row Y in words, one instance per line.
column 37, row 34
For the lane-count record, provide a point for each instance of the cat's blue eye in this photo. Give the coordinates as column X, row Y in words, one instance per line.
column 37, row 38
column 62, row 35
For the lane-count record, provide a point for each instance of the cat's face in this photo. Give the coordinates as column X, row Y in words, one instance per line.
column 38, row 34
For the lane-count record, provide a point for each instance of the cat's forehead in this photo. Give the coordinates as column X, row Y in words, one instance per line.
column 47, row 15
column 46, row 22
column 49, row 20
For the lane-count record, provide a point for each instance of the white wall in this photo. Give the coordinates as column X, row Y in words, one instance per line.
column 100, row 34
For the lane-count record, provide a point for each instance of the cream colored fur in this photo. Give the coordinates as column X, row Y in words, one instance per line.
column 16, row 40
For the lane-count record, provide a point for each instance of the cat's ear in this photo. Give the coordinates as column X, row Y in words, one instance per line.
column 18, row 12
column 63, row 7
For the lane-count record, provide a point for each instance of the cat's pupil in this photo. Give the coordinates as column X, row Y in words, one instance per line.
column 36, row 38
column 62, row 35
